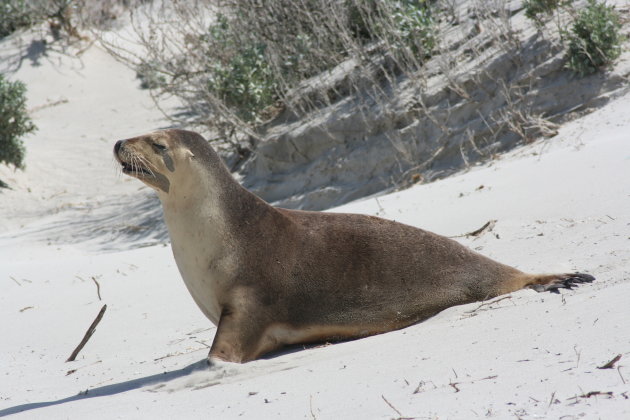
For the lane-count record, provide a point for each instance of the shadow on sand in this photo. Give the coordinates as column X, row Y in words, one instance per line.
column 108, row 390
column 113, row 224
column 217, row 374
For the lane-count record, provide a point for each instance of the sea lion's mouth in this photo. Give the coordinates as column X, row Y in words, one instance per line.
column 135, row 169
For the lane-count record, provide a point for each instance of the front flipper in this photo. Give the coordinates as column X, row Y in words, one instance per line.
column 242, row 335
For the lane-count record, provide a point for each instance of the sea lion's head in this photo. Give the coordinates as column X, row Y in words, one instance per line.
column 162, row 158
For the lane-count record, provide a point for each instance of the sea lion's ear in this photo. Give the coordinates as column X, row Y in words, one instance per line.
column 190, row 154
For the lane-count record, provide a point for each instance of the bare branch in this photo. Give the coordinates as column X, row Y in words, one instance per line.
column 87, row 335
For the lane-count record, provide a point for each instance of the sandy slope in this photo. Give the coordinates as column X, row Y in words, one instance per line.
column 562, row 204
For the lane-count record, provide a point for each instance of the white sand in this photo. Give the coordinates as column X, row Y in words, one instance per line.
column 561, row 204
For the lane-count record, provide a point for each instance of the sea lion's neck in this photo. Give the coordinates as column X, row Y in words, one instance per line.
column 211, row 203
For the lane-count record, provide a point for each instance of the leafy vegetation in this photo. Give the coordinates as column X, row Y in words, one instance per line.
column 410, row 23
column 14, row 14
column 14, row 122
column 414, row 23
column 537, row 9
column 64, row 17
column 594, row 39
column 149, row 75
column 241, row 78
column 246, row 66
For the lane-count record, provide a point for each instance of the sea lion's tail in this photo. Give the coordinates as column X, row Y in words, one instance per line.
column 553, row 282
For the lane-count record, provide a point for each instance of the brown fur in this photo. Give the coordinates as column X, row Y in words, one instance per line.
column 283, row 276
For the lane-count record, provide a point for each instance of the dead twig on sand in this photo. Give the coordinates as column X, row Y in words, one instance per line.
column 489, row 302
column 476, row 233
column 608, row 394
column 98, row 288
column 48, row 105
column 610, row 364
column 202, row 343
column 71, row 371
column 400, row 416
column 88, row 334
column 181, row 353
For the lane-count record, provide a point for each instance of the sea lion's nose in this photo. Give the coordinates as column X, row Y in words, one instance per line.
column 118, row 145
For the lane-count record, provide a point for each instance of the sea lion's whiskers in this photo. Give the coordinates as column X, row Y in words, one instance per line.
column 117, row 167
column 147, row 165
column 136, row 163
column 133, row 158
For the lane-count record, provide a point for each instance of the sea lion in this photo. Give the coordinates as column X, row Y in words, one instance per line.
column 270, row 277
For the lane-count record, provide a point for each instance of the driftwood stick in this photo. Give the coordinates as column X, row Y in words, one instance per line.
column 611, row 364
column 590, row 394
column 489, row 302
column 487, row 227
column 87, row 335
column 393, row 408
column 98, row 288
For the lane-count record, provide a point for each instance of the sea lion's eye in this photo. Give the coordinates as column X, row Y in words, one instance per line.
column 159, row 147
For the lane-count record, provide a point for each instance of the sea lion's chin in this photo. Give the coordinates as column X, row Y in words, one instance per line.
column 155, row 180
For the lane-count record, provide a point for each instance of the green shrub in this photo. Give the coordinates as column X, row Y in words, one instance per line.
column 536, row 9
column 14, row 14
column 246, row 78
column 14, row 122
column 405, row 23
column 149, row 75
column 241, row 76
column 415, row 25
column 594, row 39
column 64, row 17
column 253, row 62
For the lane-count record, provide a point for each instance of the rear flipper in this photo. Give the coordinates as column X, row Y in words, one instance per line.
column 553, row 282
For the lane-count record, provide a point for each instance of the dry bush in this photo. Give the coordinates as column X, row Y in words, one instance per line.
column 65, row 18
column 444, row 83
column 237, row 64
